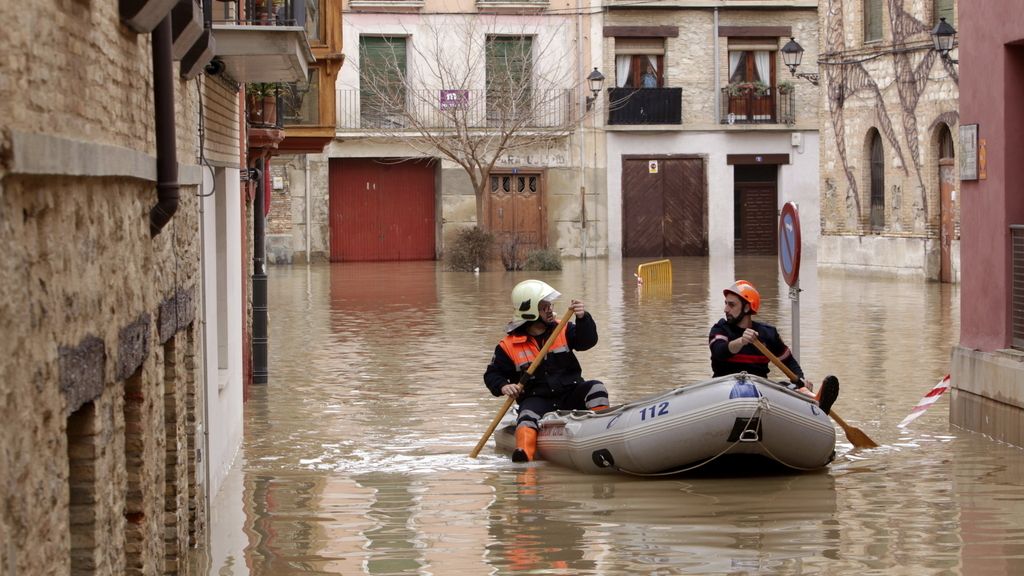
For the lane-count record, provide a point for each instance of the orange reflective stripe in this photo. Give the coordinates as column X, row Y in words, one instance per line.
column 522, row 349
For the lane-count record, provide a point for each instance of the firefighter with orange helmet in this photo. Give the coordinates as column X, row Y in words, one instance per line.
column 732, row 349
column 558, row 382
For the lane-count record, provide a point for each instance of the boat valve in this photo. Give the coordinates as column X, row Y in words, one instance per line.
column 603, row 458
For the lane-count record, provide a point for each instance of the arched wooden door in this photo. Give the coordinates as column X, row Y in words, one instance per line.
column 947, row 187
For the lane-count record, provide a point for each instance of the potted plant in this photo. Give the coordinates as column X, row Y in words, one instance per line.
column 745, row 88
column 785, row 87
column 261, row 100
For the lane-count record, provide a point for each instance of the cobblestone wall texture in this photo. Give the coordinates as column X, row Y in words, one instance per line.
column 79, row 265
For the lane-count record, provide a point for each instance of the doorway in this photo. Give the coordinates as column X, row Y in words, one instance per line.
column 947, row 187
column 755, row 209
column 664, row 206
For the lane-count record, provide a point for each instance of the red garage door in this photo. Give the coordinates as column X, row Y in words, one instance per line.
column 381, row 209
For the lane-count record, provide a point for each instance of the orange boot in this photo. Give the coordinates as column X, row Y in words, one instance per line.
column 526, row 444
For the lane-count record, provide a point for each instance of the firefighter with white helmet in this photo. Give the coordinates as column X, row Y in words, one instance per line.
column 557, row 383
column 732, row 349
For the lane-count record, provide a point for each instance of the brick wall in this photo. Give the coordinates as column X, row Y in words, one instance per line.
column 907, row 105
column 89, row 296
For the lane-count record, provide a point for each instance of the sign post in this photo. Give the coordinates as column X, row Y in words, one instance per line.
column 789, row 262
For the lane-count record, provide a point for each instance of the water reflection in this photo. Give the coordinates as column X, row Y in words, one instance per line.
column 355, row 456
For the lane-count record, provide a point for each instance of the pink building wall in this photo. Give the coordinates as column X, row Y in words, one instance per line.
column 991, row 39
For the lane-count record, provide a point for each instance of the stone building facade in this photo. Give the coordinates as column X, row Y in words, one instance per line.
column 306, row 212
column 743, row 131
column 104, row 371
column 889, row 176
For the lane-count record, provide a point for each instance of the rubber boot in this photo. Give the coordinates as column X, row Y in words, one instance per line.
column 526, row 444
column 828, row 393
column 600, row 408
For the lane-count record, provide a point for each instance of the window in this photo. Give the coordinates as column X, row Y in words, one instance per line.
column 300, row 101
column 382, row 61
column 877, row 182
column 639, row 62
column 509, row 67
column 313, row 25
column 943, row 9
column 751, row 97
column 872, row 20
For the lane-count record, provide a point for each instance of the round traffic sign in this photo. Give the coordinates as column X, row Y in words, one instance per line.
column 789, row 243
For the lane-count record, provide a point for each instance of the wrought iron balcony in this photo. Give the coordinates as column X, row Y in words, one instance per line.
column 636, row 106
column 750, row 107
column 413, row 110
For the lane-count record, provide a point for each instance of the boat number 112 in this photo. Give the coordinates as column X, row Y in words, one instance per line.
column 652, row 411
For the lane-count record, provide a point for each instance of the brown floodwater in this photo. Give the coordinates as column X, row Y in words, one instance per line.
column 355, row 456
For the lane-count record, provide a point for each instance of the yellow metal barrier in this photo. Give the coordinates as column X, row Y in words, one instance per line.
column 657, row 273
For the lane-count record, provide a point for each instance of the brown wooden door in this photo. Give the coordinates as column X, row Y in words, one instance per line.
column 517, row 211
column 756, row 222
column 947, row 183
column 684, row 207
column 663, row 207
column 381, row 210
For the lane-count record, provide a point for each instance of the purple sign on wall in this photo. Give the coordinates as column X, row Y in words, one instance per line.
column 454, row 99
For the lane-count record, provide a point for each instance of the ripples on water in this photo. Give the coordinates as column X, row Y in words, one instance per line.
column 355, row 456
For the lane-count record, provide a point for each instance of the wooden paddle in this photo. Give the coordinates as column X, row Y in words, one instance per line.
column 522, row 380
column 853, row 434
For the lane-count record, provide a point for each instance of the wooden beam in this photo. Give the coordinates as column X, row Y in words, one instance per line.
column 734, row 159
column 755, row 31
column 642, row 31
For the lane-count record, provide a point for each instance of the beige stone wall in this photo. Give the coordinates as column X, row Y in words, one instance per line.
column 690, row 57
column 907, row 104
column 90, row 298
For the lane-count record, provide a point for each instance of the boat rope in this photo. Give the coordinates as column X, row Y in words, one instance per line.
column 763, row 405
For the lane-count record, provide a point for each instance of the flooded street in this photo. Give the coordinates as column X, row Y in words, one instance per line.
column 355, row 457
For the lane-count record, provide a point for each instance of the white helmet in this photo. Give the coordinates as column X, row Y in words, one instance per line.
column 526, row 299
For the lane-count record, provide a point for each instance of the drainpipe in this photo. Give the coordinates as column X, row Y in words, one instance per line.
column 305, row 163
column 718, row 72
column 583, row 101
column 167, row 188
column 259, row 280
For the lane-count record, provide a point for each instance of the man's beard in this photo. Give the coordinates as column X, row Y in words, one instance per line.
column 733, row 320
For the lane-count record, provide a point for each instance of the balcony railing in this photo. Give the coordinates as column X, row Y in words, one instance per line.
column 635, row 106
column 272, row 13
column 748, row 107
column 449, row 109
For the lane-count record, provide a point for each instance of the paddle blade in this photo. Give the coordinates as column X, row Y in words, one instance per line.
column 855, row 435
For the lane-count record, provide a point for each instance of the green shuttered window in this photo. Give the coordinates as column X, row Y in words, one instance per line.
column 872, row 20
column 944, row 9
column 382, row 73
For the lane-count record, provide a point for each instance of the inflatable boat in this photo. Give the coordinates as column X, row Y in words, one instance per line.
column 687, row 427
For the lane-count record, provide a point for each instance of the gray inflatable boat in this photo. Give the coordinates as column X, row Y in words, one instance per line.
column 686, row 428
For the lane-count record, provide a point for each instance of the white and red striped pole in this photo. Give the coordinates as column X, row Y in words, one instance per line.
column 926, row 402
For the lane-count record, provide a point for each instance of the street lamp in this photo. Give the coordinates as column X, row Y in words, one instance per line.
column 944, row 36
column 596, row 80
column 792, row 54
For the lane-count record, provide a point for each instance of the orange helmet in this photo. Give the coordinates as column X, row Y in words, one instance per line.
column 746, row 291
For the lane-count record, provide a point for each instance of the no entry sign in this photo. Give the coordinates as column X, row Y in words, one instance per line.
column 789, row 243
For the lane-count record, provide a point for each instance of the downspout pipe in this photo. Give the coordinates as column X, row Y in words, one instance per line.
column 260, row 335
column 168, row 191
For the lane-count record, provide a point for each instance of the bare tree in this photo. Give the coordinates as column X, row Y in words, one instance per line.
column 471, row 88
